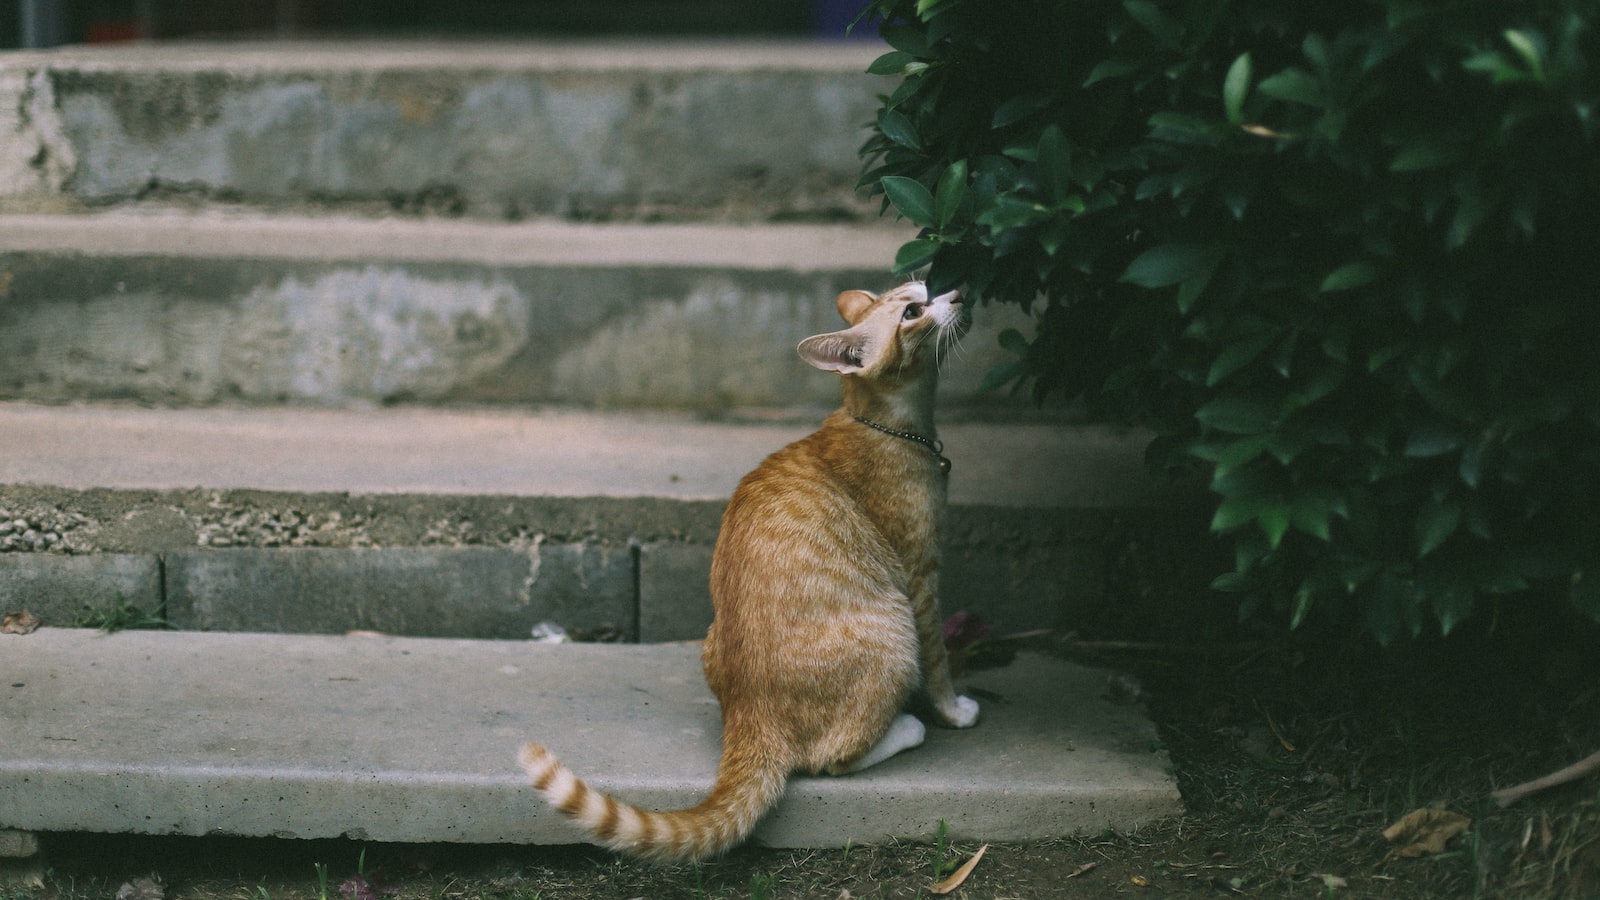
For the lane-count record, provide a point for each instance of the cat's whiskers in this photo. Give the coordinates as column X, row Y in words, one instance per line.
column 949, row 346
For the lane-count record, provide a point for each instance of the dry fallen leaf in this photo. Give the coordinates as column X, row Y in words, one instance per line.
column 1424, row 831
column 960, row 875
column 1140, row 881
column 19, row 622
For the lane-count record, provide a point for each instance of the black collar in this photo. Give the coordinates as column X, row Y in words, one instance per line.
column 933, row 445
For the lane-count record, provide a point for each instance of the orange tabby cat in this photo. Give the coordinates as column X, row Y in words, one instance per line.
column 824, row 585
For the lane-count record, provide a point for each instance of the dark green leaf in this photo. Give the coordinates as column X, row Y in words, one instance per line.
column 1234, row 582
column 896, row 127
column 1010, row 212
column 1313, row 509
column 1274, row 521
column 1471, row 467
column 1012, row 341
column 1238, row 414
column 1497, row 66
column 1349, row 277
column 1436, row 522
column 1018, row 108
column 1238, row 452
column 1382, row 356
column 1235, row 88
column 1149, row 14
column 1294, row 86
column 1451, row 606
column 949, row 194
column 1304, row 599
column 1421, row 156
column 1527, row 46
column 927, row 9
column 1237, row 510
column 1055, row 165
column 906, row 38
column 1471, row 209
column 910, row 198
column 892, row 63
column 1112, row 68
column 1236, row 355
column 1431, row 439
column 1186, row 129
column 1169, row 264
column 914, row 255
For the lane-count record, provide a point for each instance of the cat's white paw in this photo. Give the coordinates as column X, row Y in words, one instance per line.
column 963, row 713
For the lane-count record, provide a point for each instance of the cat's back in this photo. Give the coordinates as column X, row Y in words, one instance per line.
column 803, row 485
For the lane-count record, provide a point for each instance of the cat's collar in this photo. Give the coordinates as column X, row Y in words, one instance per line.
column 933, row 445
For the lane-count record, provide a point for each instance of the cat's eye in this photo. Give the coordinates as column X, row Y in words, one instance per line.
column 914, row 311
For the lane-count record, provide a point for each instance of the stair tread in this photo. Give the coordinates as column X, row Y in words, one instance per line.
column 545, row 452
column 395, row 739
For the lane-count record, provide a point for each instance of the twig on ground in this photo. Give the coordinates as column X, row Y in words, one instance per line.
column 1507, row 796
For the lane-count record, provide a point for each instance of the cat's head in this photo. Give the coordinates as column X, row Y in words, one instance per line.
column 896, row 331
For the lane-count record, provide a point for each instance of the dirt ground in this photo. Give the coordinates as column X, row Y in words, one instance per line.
column 1293, row 754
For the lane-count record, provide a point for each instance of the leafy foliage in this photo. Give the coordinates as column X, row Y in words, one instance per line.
column 1342, row 253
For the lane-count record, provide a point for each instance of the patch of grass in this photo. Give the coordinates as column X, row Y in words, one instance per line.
column 120, row 615
column 322, row 880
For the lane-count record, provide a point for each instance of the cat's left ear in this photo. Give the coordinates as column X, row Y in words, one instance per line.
column 840, row 351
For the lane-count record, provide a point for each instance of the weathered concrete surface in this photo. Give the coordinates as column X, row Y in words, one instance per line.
column 750, row 130
column 17, row 844
column 485, row 592
column 207, row 307
column 481, row 524
column 535, row 453
column 406, row 740
column 60, row 589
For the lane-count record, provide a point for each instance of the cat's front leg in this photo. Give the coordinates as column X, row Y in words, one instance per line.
column 955, row 711
column 961, row 712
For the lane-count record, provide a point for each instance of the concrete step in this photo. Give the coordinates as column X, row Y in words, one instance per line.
column 390, row 739
column 728, row 130
column 423, row 522
column 207, row 306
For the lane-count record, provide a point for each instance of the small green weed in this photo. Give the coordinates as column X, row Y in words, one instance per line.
column 120, row 615
column 945, row 860
column 322, row 880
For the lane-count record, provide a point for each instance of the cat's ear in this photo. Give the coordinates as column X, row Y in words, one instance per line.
column 840, row 351
column 853, row 304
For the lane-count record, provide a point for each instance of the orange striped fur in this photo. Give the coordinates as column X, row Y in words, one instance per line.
column 824, row 583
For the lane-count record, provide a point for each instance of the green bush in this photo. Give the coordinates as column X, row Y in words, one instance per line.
column 1346, row 254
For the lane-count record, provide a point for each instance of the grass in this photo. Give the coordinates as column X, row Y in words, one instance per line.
column 119, row 615
column 1293, row 755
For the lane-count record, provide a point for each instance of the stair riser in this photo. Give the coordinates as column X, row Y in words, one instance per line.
column 567, row 139
column 492, row 567
column 172, row 330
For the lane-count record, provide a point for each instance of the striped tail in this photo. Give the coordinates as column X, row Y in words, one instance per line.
column 747, row 786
